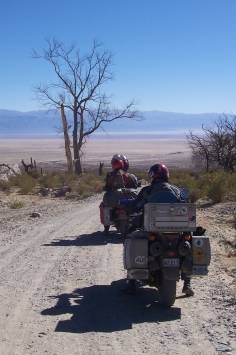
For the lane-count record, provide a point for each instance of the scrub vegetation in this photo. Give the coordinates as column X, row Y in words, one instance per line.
column 216, row 186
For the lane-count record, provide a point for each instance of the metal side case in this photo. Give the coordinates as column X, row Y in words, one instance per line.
column 201, row 251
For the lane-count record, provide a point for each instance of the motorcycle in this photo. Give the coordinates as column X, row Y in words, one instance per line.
column 169, row 244
column 114, row 214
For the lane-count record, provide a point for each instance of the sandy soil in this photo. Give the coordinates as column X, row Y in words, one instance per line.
column 140, row 151
column 61, row 281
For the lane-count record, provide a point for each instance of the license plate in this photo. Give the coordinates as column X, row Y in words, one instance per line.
column 174, row 262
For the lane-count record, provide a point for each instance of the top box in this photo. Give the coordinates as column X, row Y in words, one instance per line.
column 170, row 217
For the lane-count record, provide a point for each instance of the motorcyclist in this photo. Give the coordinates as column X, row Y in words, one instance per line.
column 118, row 178
column 160, row 191
column 126, row 168
column 120, row 166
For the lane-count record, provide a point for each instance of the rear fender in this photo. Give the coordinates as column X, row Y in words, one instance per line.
column 171, row 273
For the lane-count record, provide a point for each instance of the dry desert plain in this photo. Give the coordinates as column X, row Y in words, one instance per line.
column 142, row 150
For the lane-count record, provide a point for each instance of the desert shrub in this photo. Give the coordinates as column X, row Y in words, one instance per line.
column 15, row 204
column 51, row 180
column 220, row 186
column 195, row 195
column 25, row 182
column 5, row 185
column 89, row 184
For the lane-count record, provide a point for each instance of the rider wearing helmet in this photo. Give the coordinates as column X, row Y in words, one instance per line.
column 126, row 162
column 119, row 177
column 160, row 191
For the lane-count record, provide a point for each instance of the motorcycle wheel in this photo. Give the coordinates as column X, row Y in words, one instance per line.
column 122, row 229
column 106, row 229
column 167, row 290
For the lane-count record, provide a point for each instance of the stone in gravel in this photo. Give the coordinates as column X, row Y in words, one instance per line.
column 223, row 348
column 35, row 215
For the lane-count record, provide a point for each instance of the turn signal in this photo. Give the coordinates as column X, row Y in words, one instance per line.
column 187, row 237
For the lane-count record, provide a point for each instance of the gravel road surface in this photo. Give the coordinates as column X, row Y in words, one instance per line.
column 61, row 286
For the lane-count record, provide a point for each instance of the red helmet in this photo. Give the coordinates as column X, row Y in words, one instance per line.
column 159, row 172
column 123, row 158
column 117, row 164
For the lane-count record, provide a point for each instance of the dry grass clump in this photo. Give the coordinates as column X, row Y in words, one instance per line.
column 25, row 182
column 89, row 184
column 4, row 185
column 15, row 204
column 51, row 180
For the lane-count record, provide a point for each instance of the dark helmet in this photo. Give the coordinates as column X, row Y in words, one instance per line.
column 159, row 172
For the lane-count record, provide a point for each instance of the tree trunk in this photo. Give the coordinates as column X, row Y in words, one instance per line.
column 66, row 140
column 77, row 161
column 78, row 166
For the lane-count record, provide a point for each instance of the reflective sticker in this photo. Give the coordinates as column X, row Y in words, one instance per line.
column 198, row 242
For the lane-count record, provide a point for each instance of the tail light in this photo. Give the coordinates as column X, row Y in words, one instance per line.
column 152, row 237
column 171, row 253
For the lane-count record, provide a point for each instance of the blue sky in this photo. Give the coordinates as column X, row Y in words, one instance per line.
column 172, row 55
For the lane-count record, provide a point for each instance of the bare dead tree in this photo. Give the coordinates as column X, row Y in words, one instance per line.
column 217, row 144
column 78, row 87
column 200, row 148
column 222, row 141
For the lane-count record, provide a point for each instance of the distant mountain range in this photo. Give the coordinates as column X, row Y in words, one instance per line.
column 49, row 123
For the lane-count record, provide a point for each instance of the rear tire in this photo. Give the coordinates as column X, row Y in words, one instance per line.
column 106, row 230
column 167, row 289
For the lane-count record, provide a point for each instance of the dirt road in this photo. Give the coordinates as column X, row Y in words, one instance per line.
column 61, row 292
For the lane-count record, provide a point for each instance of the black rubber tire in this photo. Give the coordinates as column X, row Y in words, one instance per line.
column 106, row 229
column 167, row 290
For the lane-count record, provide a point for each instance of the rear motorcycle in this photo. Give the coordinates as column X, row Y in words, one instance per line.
column 114, row 214
column 166, row 248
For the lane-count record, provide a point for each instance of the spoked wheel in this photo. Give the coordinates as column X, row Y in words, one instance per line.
column 167, row 289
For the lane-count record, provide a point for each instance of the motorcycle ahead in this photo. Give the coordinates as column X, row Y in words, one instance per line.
column 114, row 214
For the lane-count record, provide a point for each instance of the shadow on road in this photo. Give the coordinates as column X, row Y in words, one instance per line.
column 105, row 308
column 96, row 238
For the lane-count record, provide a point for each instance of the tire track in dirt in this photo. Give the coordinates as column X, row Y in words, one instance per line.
column 62, row 293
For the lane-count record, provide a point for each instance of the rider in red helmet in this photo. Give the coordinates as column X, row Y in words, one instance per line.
column 117, row 164
column 160, row 191
column 119, row 177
